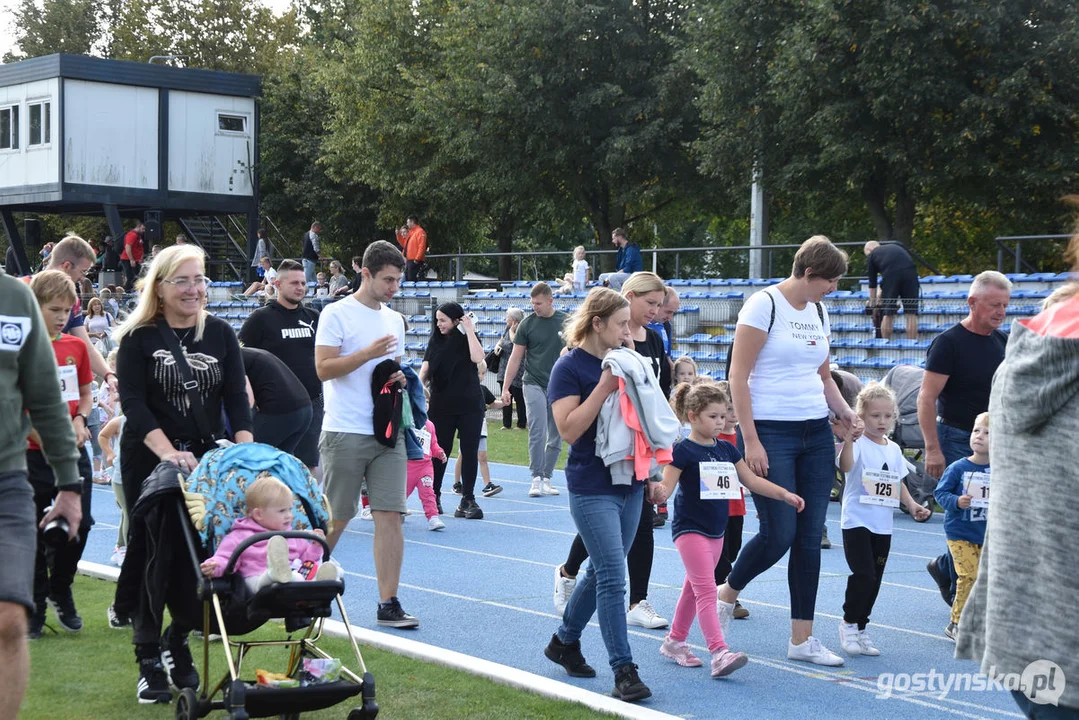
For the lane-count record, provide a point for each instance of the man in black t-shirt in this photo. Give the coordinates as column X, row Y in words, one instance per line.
column 899, row 280
column 286, row 329
column 955, row 388
column 281, row 406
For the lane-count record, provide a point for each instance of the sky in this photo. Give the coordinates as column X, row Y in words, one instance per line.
column 7, row 32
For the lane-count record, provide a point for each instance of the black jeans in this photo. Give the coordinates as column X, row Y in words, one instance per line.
column 639, row 558
column 55, row 568
column 468, row 427
column 867, row 554
column 412, row 270
column 131, row 271
column 283, row 431
column 517, row 396
column 732, row 543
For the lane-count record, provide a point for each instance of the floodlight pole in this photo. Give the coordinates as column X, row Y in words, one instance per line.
column 757, row 223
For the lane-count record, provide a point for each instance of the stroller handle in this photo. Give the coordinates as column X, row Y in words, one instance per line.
column 259, row 537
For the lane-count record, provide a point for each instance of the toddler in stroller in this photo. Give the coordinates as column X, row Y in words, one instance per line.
column 269, row 508
column 266, row 506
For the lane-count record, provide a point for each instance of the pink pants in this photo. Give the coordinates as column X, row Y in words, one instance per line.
column 700, row 556
column 421, row 473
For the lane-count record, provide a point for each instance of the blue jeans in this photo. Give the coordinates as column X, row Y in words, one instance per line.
column 607, row 524
column 955, row 444
column 310, row 268
column 1043, row 712
column 801, row 459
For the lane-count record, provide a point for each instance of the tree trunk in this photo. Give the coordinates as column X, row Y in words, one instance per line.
column 876, row 200
column 507, row 266
column 904, row 215
column 605, row 217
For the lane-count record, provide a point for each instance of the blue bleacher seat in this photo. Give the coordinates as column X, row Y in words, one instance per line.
column 909, row 361
column 962, row 278
column 699, row 356
column 1016, row 277
column 678, row 283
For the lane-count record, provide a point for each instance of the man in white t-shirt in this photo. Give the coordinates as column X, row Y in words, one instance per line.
column 354, row 335
column 264, row 287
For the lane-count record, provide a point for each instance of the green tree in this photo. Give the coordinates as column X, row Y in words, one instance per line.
column 56, row 26
column 895, row 103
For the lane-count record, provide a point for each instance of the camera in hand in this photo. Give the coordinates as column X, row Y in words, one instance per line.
column 56, row 531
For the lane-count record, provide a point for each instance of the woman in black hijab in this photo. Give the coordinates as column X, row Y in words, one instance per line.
column 456, row 406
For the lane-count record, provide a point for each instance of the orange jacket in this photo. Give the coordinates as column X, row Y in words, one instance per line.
column 414, row 243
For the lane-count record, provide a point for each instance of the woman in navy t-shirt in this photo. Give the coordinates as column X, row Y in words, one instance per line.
column 606, row 515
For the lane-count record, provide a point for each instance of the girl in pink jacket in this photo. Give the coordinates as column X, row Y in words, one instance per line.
column 269, row 508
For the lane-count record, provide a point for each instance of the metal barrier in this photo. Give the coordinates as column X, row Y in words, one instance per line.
column 1017, row 253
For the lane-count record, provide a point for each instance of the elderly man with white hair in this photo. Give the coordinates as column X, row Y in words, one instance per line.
column 955, row 388
column 899, row 281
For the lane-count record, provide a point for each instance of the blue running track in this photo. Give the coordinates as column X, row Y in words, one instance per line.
column 484, row 588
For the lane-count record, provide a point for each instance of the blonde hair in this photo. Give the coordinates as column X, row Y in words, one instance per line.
column 982, row 419
column 599, row 303
column 695, row 397
column 876, row 391
column 265, row 490
column 50, row 285
column 579, row 247
column 684, row 360
column 989, row 279
column 149, row 309
column 90, row 307
column 642, row 283
column 820, row 258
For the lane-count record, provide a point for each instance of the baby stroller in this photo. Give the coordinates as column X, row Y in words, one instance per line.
column 906, row 382
column 212, row 499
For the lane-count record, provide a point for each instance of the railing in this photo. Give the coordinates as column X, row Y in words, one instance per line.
column 285, row 249
column 456, row 261
column 1017, row 253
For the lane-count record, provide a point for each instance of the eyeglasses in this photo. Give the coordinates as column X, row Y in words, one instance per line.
column 184, row 284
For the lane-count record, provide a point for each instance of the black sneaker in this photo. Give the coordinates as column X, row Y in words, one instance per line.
column 490, row 490
column 469, row 510
column 153, row 685
column 176, row 660
column 438, row 505
column 628, row 686
column 457, row 488
column 944, row 583
column 658, row 521
column 825, row 543
column 66, row 614
column 391, row 614
column 37, row 623
column 117, row 621
column 570, row 657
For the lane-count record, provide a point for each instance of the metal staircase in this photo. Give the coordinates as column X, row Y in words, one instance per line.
column 225, row 251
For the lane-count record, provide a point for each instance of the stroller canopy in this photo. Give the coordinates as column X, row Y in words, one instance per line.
column 906, row 382
column 215, row 489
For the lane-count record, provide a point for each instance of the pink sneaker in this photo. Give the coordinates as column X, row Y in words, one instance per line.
column 679, row 652
column 725, row 662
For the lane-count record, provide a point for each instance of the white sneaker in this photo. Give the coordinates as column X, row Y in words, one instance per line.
column 435, row 523
column 866, row 645
column 537, row 487
column 277, row 563
column 365, row 514
column 726, row 615
column 812, row 651
column 643, row 615
column 848, row 638
column 118, row 555
column 547, row 489
column 563, row 588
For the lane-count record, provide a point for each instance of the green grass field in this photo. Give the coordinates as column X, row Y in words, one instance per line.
column 511, row 446
column 93, row 675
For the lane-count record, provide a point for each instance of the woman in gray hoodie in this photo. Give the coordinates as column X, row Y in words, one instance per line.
column 1022, row 619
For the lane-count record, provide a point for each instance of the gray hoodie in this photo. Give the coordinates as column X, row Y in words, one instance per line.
column 1024, row 605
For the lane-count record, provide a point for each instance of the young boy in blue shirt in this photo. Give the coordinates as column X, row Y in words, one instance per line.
column 963, row 492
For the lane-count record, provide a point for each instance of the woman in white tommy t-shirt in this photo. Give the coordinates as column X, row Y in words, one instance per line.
column 782, row 391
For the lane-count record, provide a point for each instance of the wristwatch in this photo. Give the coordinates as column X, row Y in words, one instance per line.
column 85, row 420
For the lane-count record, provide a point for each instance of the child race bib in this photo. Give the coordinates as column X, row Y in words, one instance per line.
column 425, row 440
column 977, row 486
column 719, row 481
column 881, row 488
column 69, row 383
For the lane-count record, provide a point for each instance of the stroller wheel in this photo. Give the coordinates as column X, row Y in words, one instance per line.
column 187, row 705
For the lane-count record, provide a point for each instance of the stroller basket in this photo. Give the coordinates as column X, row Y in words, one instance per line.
column 261, row 701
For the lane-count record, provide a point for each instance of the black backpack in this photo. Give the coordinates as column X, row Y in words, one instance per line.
column 118, row 243
column 387, row 397
column 771, row 322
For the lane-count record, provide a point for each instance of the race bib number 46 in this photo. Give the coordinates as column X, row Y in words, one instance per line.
column 881, row 488
column 977, row 486
column 719, row 481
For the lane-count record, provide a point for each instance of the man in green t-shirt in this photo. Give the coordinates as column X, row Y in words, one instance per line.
column 537, row 344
